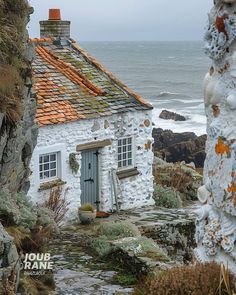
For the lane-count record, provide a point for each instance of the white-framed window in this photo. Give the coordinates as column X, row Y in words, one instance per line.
column 125, row 153
column 49, row 166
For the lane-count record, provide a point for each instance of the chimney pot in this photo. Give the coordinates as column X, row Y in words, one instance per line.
column 54, row 14
column 54, row 26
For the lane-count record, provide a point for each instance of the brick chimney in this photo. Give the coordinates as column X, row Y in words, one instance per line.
column 54, row 26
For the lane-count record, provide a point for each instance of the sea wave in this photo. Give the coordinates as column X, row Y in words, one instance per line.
column 168, row 93
column 195, row 123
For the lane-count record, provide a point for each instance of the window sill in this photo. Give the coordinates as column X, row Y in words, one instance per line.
column 50, row 184
column 127, row 173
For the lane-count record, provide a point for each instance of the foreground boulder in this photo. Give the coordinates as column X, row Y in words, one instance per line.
column 167, row 115
column 9, row 264
column 177, row 147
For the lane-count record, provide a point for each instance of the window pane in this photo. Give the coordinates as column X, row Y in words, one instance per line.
column 40, row 159
column 119, row 150
column 124, row 149
column 40, row 167
column 41, row 175
column 124, row 156
column 119, row 164
column 130, row 140
column 46, row 174
column 53, row 165
column 130, row 162
column 129, row 147
column 119, row 142
column 129, row 155
column 46, row 158
column 53, row 157
column 46, row 167
column 124, row 141
column 53, row 173
column 124, row 163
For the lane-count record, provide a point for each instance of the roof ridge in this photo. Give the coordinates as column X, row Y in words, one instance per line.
column 69, row 71
column 109, row 74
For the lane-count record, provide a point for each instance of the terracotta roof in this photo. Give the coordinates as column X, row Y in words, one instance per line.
column 71, row 85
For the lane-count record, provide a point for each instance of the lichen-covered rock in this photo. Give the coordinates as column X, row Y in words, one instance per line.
column 9, row 263
column 216, row 225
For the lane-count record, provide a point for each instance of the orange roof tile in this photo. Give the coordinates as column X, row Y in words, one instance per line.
column 70, row 85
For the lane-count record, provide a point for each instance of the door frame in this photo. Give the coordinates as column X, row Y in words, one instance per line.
column 98, row 197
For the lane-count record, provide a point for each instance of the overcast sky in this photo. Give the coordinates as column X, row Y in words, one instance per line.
column 127, row 20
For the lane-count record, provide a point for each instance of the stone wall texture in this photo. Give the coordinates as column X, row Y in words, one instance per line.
column 133, row 192
column 216, row 225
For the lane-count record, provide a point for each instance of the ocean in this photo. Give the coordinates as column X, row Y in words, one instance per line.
column 168, row 74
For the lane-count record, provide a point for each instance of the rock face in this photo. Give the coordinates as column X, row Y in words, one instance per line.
column 177, row 147
column 216, row 226
column 17, row 128
column 18, row 132
column 167, row 115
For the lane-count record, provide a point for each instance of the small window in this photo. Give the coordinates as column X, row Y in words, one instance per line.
column 125, row 152
column 48, row 167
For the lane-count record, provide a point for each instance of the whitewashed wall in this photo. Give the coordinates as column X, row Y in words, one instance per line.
column 135, row 191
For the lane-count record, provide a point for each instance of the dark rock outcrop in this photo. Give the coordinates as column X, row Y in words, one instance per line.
column 177, row 147
column 167, row 115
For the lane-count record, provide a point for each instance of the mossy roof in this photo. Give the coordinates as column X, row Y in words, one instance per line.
column 71, row 85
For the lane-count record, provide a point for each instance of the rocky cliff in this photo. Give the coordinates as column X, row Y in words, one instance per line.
column 17, row 103
column 18, row 132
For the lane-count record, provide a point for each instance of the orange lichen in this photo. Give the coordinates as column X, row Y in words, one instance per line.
column 220, row 24
column 232, row 187
column 222, row 148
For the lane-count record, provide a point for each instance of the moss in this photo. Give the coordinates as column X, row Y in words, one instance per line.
column 142, row 247
column 126, row 279
column 74, row 165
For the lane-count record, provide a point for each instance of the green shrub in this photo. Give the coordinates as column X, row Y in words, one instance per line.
column 16, row 210
column 118, row 229
column 101, row 246
column 166, row 197
column 199, row 279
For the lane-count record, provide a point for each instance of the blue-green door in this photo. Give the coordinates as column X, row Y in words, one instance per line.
column 89, row 177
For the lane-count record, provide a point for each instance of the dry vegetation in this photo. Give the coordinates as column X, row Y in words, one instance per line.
column 58, row 204
column 204, row 279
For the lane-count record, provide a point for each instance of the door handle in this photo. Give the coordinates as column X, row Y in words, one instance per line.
column 89, row 180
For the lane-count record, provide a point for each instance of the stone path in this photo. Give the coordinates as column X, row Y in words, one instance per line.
column 77, row 273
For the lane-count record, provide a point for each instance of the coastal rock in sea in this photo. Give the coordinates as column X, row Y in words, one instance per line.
column 216, row 221
column 177, row 147
column 167, row 115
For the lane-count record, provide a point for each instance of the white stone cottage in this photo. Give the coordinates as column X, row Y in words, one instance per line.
column 95, row 134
